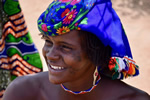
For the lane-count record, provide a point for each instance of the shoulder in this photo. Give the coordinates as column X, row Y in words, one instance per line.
column 132, row 93
column 122, row 91
column 24, row 87
column 140, row 95
column 135, row 95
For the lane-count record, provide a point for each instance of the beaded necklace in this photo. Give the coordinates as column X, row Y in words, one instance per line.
column 82, row 92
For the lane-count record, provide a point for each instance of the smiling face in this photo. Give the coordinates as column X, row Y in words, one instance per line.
column 66, row 59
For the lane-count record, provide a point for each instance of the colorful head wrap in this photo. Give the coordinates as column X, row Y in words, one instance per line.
column 97, row 17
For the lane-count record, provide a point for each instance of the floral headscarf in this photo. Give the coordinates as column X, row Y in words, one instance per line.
column 97, row 17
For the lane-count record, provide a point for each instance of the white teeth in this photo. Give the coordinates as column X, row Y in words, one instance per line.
column 56, row 67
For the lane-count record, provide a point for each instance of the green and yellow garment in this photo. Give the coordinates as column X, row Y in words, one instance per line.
column 18, row 54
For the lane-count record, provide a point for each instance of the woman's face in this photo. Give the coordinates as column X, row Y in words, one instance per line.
column 65, row 58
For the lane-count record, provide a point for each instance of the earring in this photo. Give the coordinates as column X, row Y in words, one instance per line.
column 95, row 76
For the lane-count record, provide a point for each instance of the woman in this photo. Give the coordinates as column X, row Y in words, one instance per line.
column 87, row 54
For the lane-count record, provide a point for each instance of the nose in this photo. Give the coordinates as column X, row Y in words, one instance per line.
column 52, row 54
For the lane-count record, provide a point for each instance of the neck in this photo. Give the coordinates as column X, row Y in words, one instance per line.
column 79, row 86
column 85, row 85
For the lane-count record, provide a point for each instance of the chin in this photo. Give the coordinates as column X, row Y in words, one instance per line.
column 55, row 81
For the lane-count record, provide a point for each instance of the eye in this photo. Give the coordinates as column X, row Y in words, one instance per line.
column 66, row 48
column 48, row 43
column 42, row 36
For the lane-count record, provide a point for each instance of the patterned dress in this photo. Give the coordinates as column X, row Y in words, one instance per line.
column 18, row 54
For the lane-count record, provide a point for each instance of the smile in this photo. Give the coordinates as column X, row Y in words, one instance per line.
column 57, row 67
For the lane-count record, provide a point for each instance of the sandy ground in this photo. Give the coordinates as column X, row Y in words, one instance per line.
column 135, row 15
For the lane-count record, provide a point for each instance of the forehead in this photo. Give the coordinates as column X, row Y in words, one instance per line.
column 72, row 37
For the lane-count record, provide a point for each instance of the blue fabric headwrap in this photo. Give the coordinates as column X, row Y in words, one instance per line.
column 97, row 17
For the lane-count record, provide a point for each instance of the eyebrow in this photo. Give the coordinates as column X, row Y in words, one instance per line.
column 44, row 36
column 60, row 42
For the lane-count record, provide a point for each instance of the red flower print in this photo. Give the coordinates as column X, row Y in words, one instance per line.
column 63, row 30
column 44, row 28
column 78, row 28
column 75, row 1
column 64, row 1
column 65, row 13
column 76, row 24
column 70, row 17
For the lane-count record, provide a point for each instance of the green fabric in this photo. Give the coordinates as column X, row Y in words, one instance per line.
column 18, row 54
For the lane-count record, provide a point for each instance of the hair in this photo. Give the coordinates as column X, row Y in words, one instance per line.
column 96, row 51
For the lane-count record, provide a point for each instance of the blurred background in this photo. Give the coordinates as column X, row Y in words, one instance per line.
column 135, row 16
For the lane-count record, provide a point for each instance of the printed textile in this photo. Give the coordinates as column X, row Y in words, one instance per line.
column 97, row 17
column 18, row 54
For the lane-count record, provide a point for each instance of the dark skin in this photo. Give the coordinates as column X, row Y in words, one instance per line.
column 76, row 73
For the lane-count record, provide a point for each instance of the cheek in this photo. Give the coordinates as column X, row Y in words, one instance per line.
column 74, row 62
column 44, row 51
column 77, row 57
column 74, row 58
